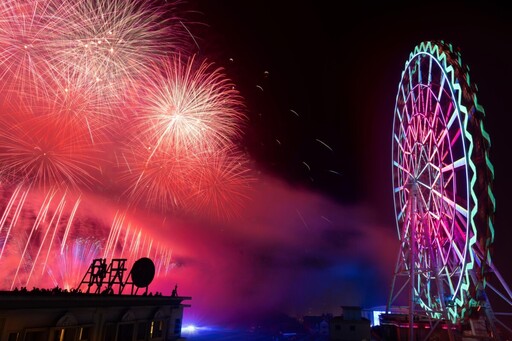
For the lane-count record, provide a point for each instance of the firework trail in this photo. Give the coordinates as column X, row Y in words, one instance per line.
column 74, row 262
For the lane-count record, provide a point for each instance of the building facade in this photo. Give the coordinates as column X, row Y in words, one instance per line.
column 58, row 315
column 350, row 326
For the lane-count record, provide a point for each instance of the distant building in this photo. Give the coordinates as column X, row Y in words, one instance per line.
column 317, row 325
column 350, row 326
column 59, row 315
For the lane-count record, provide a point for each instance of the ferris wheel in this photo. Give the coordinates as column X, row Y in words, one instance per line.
column 442, row 179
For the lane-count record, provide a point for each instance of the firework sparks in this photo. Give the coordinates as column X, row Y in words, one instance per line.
column 44, row 152
column 189, row 106
column 158, row 179
column 26, row 30
column 108, row 43
column 222, row 181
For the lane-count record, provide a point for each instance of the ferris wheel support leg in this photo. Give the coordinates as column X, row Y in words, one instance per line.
column 392, row 294
column 491, row 319
column 489, row 312
column 502, row 281
column 412, row 259
column 437, row 275
column 483, row 301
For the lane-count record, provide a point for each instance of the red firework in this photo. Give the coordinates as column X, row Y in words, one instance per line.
column 46, row 152
column 222, row 180
column 26, row 31
column 154, row 179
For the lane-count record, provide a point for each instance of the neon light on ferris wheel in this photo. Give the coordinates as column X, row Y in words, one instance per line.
column 442, row 180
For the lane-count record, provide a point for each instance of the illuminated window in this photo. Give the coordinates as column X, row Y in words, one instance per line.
column 64, row 334
column 156, row 329
column 84, row 333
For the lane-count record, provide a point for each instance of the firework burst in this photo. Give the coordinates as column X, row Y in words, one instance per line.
column 155, row 179
column 26, row 31
column 86, row 108
column 46, row 152
column 222, row 181
column 107, row 43
column 188, row 106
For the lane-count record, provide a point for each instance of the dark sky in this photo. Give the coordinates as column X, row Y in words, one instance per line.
column 338, row 70
column 320, row 81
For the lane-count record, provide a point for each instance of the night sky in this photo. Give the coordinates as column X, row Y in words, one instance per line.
column 319, row 81
column 320, row 85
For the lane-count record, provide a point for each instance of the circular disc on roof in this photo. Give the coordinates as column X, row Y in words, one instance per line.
column 143, row 272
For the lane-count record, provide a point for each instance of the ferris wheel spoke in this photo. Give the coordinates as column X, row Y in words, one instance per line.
column 406, row 110
column 448, row 276
column 423, row 169
column 440, row 247
column 453, row 114
column 424, row 202
column 437, row 175
column 404, row 126
column 454, row 165
column 427, row 186
column 453, row 204
column 460, row 229
column 445, row 130
column 453, row 245
column 429, row 81
column 441, row 86
column 418, row 63
column 402, row 91
column 399, row 115
column 399, row 188
column 434, row 215
column 396, row 164
column 402, row 210
column 441, row 137
column 428, row 101
column 455, row 138
column 402, row 149
column 426, row 136
column 435, row 208
column 411, row 86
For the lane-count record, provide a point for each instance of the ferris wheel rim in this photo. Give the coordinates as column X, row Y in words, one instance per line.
column 434, row 51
